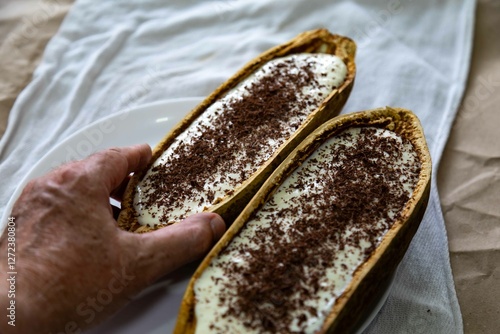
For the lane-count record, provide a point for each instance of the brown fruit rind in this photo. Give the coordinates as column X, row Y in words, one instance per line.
column 350, row 307
column 315, row 41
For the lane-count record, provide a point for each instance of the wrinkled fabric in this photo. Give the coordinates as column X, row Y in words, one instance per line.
column 109, row 56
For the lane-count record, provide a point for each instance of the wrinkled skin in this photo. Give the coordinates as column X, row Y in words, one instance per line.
column 74, row 266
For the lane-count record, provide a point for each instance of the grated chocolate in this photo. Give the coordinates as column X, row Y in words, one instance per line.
column 242, row 135
column 295, row 256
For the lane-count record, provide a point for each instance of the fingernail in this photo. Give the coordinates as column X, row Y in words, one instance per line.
column 218, row 227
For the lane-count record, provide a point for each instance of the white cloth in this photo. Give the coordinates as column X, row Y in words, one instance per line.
column 111, row 55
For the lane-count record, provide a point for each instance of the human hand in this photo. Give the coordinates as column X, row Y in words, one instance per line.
column 75, row 267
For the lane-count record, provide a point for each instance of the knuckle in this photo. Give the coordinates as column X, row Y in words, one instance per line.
column 67, row 180
column 67, row 173
column 112, row 155
column 73, row 175
column 115, row 150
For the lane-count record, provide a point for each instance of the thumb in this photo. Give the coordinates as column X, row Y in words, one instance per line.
column 164, row 250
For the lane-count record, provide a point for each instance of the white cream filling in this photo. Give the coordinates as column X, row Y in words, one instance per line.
column 329, row 71
column 208, row 309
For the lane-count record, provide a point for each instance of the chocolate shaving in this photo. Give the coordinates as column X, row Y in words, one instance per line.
column 355, row 196
column 236, row 144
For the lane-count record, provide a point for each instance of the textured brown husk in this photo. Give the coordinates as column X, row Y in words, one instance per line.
column 315, row 41
column 350, row 307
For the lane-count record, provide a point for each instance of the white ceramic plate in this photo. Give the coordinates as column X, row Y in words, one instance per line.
column 154, row 310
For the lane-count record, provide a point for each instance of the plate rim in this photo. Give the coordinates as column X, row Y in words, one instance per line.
column 32, row 173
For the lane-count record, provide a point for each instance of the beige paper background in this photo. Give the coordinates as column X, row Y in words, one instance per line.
column 469, row 181
column 469, row 173
column 25, row 28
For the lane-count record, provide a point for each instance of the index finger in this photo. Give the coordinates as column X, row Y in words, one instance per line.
column 113, row 165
